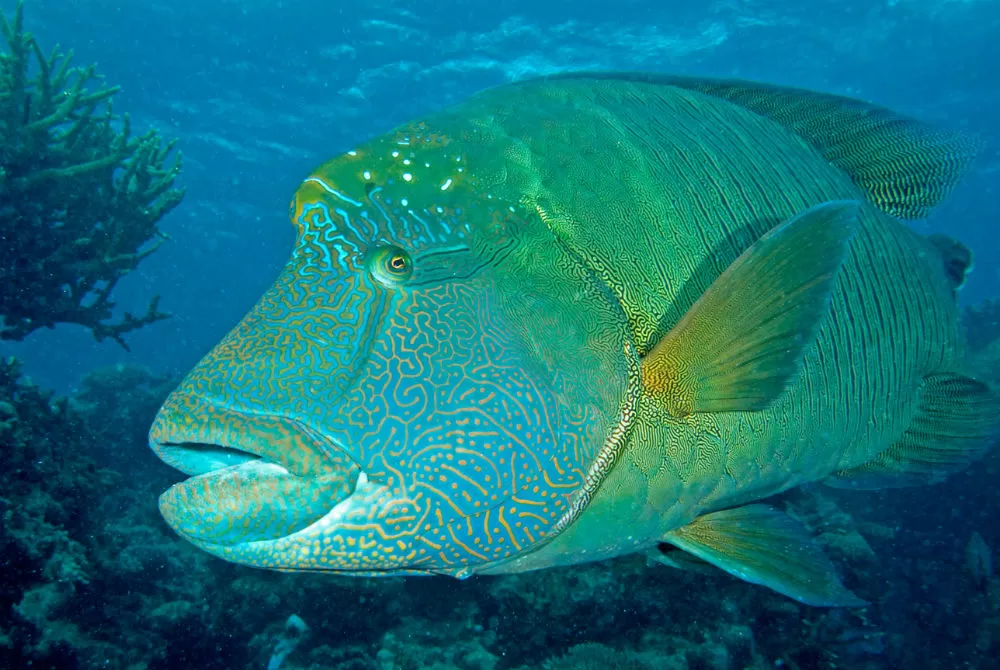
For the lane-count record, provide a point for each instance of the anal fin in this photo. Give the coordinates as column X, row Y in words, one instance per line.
column 955, row 424
column 761, row 545
column 674, row 557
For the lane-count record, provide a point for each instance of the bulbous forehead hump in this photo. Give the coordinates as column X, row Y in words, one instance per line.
column 417, row 164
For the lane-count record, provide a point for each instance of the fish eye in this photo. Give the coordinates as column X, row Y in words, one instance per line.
column 390, row 265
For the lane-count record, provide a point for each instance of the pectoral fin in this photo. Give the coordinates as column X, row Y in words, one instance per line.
column 740, row 344
column 763, row 546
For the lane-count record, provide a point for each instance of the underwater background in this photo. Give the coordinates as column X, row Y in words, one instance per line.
column 258, row 92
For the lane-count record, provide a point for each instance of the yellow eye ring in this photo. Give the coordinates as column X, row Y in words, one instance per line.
column 397, row 264
column 390, row 265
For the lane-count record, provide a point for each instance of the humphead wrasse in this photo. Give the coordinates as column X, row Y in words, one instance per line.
column 584, row 316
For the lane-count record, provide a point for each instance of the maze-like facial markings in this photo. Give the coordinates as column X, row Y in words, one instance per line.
column 386, row 406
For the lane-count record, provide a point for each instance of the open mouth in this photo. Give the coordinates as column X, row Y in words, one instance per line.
column 198, row 457
column 253, row 478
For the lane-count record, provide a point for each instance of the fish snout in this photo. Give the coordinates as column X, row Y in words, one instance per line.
column 254, row 476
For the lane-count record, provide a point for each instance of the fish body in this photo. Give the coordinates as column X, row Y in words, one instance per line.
column 580, row 317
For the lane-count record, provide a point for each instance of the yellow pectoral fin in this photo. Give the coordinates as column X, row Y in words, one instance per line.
column 740, row 344
column 763, row 546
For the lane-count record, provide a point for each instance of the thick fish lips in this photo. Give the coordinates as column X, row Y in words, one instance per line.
column 254, row 477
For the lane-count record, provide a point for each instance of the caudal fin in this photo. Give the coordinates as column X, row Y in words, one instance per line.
column 955, row 425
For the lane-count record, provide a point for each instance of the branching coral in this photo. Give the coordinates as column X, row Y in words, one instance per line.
column 80, row 197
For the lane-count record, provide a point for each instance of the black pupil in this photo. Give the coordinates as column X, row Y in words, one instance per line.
column 397, row 263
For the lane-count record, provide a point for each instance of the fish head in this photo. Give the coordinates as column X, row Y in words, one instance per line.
column 422, row 390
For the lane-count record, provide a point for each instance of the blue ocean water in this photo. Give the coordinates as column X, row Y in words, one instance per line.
column 259, row 92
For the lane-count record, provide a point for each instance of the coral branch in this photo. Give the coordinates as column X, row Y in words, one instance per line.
column 80, row 196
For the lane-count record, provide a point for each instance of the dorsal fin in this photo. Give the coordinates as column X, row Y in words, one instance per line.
column 906, row 167
column 955, row 256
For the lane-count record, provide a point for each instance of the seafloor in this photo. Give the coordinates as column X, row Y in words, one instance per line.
column 92, row 577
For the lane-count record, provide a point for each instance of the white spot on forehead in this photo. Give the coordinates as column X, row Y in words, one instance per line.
column 395, row 154
column 367, row 174
column 352, row 152
column 404, row 202
column 446, row 185
column 406, row 161
column 407, row 176
column 427, row 164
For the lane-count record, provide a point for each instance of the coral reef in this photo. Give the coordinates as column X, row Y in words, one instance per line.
column 93, row 578
column 80, row 197
column 130, row 393
column 51, row 496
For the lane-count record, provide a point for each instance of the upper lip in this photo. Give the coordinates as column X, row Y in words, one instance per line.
column 216, row 436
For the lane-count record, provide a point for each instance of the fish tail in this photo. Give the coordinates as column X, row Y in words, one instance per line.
column 956, row 424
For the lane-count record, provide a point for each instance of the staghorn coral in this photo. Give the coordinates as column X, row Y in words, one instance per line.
column 80, row 197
